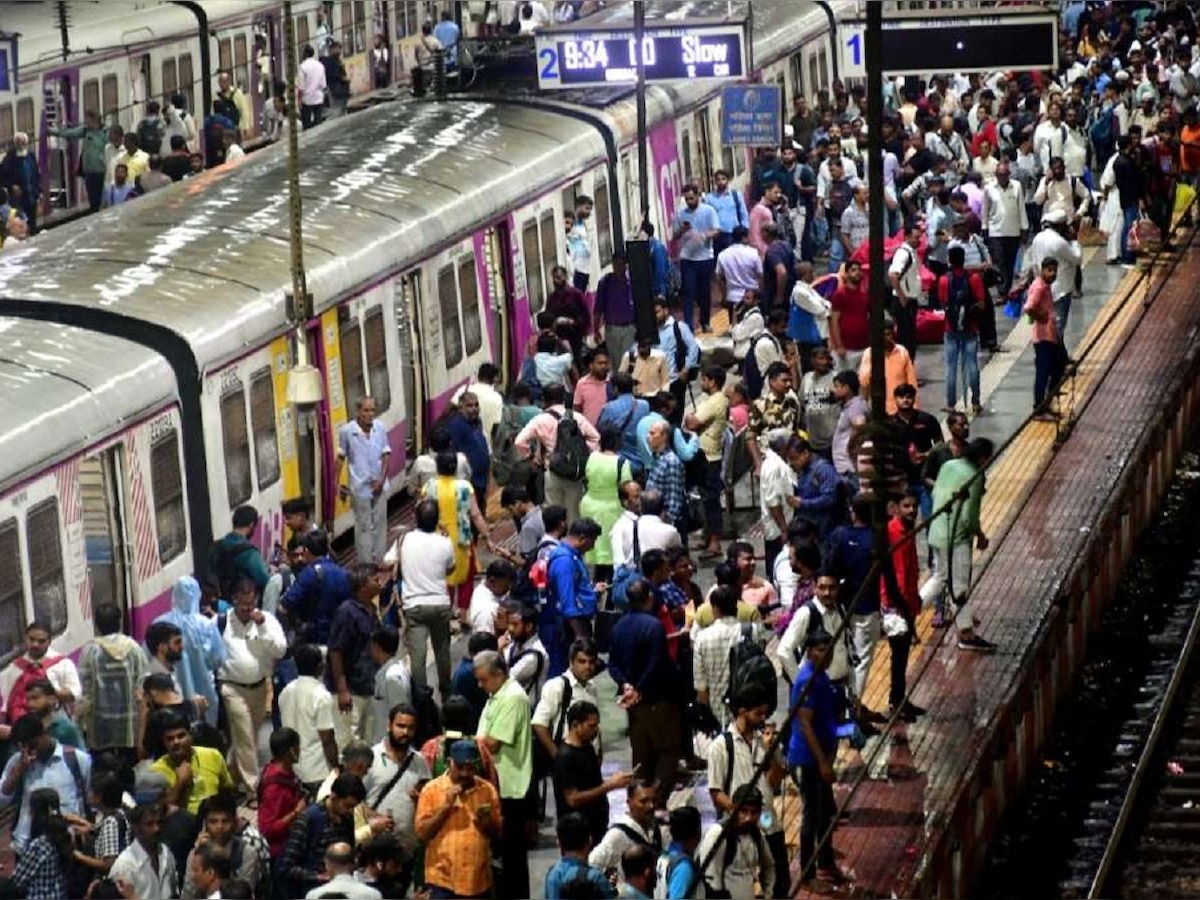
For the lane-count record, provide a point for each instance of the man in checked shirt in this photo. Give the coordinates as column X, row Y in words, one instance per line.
column 666, row 474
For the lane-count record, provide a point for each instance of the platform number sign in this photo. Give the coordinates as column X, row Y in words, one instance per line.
column 853, row 46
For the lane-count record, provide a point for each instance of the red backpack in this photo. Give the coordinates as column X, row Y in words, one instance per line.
column 30, row 672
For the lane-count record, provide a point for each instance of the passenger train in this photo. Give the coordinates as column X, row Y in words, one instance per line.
column 146, row 350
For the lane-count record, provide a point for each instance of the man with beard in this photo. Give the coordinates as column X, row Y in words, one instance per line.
column 193, row 773
column 733, row 871
column 395, row 780
column 146, row 865
column 467, row 436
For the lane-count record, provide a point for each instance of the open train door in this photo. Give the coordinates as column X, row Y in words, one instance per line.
column 498, row 262
column 58, row 158
column 107, row 551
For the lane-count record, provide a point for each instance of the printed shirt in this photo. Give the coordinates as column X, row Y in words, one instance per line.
column 667, row 477
column 366, row 454
column 770, row 412
column 459, row 856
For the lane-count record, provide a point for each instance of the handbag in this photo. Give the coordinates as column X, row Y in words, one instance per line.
column 1144, row 236
column 693, row 510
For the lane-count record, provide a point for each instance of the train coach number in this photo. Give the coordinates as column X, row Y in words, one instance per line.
column 160, row 428
column 549, row 57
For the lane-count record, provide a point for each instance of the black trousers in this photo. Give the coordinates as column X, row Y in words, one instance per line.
column 905, row 317
column 817, row 809
column 900, row 647
column 654, row 735
column 513, row 883
column 714, row 490
column 311, row 115
column 783, row 869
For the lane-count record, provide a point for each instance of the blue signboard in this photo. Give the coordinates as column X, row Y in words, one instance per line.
column 751, row 115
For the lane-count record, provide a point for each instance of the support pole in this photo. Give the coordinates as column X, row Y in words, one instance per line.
column 639, row 34
column 875, row 204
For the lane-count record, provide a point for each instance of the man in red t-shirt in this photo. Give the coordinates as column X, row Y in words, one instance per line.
column 850, row 318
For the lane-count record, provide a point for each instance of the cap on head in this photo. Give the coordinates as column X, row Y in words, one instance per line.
column 464, row 752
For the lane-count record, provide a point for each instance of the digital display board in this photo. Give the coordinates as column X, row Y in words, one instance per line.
column 608, row 57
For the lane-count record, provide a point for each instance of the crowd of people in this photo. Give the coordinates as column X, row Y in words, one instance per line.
column 139, row 771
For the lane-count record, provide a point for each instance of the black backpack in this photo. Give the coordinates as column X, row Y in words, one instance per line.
column 750, row 670
column 958, row 300
column 837, row 198
column 570, row 456
column 429, row 716
column 751, row 375
column 150, row 135
column 223, row 566
column 508, row 465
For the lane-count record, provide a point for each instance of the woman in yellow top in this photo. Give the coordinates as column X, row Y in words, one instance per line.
column 461, row 521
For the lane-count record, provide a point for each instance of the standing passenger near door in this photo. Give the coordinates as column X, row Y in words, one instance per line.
column 366, row 449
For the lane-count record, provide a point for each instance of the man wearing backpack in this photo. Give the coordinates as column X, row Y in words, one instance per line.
column 38, row 662
column 738, row 851
column 636, row 827
column 564, row 466
column 111, row 668
column 711, row 659
column 569, row 587
column 560, row 693
column 961, row 294
column 734, row 757
column 678, row 872
column 523, row 651
column 730, row 208
column 679, row 346
column 42, row 762
column 150, row 129
column 234, row 556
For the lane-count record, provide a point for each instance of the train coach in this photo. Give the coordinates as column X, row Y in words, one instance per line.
column 148, row 349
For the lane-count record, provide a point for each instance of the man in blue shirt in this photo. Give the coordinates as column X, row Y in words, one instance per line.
column 317, row 592
column 850, row 549
column 660, row 262
column 730, row 208
column 677, row 869
column 467, row 438
column 649, row 689
column 363, row 446
column 678, row 344
column 811, row 754
column 569, row 586
column 696, row 225
column 624, row 413
column 42, row 762
column 817, row 488
column 447, row 33
column 575, row 843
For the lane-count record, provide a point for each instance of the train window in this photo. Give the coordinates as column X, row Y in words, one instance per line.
column 262, row 422
column 685, row 146
column 472, row 320
column 241, row 58
column 814, row 79
column 110, row 100
column 603, row 222
column 550, row 231
column 170, row 79
column 25, row 117
column 12, row 588
column 375, row 337
column 225, row 54
column 302, row 33
column 236, row 437
column 354, row 383
column 91, row 96
column 6, row 123
column 533, row 267
column 824, row 68
column 166, row 481
column 187, row 81
column 451, row 326
column 797, row 66
column 408, row 18
column 727, row 159
column 44, row 540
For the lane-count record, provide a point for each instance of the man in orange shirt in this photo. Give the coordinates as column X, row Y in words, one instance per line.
column 1048, row 354
column 458, row 815
column 1189, row 151
column 898, row 367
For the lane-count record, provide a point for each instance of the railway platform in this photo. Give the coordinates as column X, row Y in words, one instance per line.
column 1063, row 509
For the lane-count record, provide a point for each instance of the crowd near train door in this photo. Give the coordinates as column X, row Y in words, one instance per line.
column 57, row 158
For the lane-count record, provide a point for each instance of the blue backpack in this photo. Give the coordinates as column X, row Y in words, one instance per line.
column 627, row 573
column 1104, row 130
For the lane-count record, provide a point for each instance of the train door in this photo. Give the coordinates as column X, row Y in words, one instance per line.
column 57, row 158
column 265, row 54
column 497, row 249
column 408, row 300
column 104, row 540
column 703, row 172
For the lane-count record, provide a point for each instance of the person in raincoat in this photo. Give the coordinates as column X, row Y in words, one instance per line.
column 203, row 649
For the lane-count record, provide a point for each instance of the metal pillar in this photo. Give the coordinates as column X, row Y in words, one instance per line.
column 875, row 287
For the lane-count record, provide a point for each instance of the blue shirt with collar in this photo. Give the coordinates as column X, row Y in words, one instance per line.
column 616, row 413
column 817, row 488
column 703, row 219
column 639, row 657
column 447, row 34
column 825, row 702
column 55, row 773
column 667, row 343
column 681, row 877
column 568, row 870
column 468, row 439
column 730, row 209
column 685, row 447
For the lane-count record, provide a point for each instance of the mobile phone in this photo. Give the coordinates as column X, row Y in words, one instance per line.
column 485, row 808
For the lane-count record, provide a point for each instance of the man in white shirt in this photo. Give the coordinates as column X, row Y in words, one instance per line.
column 339, row 864
column 1053, row 241
column 39, row 661
column 396, row 775
column 311, row 89
column 562, row 692
column 739, row 267
column 254, row 642
column 1063, row 193
column 652, row 532
column 146, row 864
column 489, row 594
column 306, row 706
column 1050, row 137
column 819, row 612
column 523, row 650
column 393, row 681
column 426, row 558
column 751, row 325
column 776, row 488
column 1005, row 222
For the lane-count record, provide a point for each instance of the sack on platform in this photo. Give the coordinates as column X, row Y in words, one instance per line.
column 1144, row 236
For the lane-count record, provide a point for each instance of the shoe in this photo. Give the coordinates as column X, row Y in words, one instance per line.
column 1045, row 417
column 1128, row 266
column 870, row 715
column 1076, row 295
column 911, row 709
column 901, row 714
column 975, row 644
column 976, row 409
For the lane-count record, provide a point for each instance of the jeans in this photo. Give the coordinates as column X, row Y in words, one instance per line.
column 959, row 577
column 429, row 624
column 696, row 277
column 1129, row 215
column 961, row 348
column 900, row 647
column 714, row 488
column 1048, row 369
column 837, row 250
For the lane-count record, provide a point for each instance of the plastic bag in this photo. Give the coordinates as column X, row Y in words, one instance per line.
column 1144, row 236
column 1012, row 308
column 1185, row 195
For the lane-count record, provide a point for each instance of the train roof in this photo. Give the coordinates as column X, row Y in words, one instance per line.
column 208, row 258
column 62, row 387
